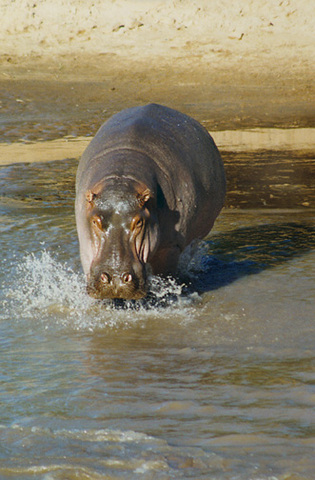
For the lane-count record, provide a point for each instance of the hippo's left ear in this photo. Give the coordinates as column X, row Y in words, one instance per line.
column 144, row 196
column 90, row 196
column 94, row 192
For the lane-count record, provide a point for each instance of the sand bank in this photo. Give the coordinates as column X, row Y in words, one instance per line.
column 211, row 35
column 302, row 140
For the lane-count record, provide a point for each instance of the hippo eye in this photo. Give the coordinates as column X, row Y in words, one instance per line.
column 97, row 222
column 137, row 223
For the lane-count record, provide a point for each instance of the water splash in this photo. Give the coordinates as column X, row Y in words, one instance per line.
column 46, row 290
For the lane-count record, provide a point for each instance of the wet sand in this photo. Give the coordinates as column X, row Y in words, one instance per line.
column 38, row 103
column 64, row 70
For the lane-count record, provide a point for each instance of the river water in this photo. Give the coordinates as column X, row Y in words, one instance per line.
column 209, row 381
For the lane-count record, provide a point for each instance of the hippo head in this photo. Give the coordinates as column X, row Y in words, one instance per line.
column 123, row 234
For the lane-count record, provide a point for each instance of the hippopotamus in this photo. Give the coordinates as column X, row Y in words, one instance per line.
column 149, row 183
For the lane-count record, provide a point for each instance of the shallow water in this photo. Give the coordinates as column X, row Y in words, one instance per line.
column 213, row 381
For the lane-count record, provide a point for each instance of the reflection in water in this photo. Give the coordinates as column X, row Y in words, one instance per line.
column 270, row 179
column 230, row 256
column 215, row 384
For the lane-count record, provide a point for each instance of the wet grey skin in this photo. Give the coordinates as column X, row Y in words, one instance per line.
column 150, row 182
column 118, row 270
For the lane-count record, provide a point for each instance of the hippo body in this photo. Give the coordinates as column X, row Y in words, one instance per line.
column 150, row 182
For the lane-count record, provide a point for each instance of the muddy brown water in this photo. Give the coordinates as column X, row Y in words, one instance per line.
column 210, row 381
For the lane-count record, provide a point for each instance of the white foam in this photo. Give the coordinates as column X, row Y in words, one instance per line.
column 52, row 293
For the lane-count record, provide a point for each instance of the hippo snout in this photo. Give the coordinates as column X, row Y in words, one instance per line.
column 127, row 285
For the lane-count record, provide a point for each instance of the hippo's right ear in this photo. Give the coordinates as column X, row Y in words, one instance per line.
column 144, row 196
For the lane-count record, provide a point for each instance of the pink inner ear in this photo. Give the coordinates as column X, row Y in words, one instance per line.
column 90, row 196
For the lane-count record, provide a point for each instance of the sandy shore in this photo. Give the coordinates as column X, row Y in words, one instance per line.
column 65, row 66
column 240, row 34
column 204, row 33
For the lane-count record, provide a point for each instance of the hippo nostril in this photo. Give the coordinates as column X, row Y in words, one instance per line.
column 126, row 277
column 105, row 278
